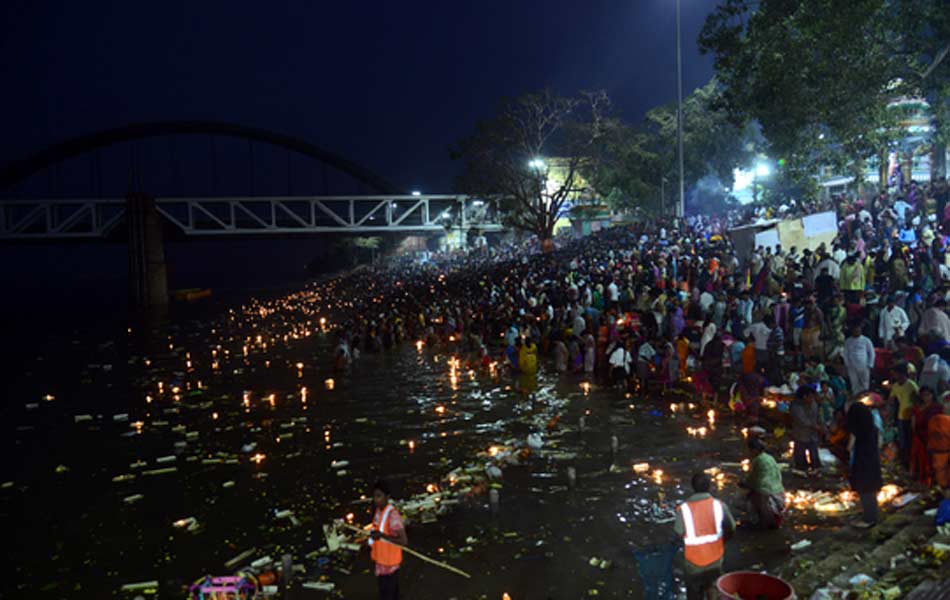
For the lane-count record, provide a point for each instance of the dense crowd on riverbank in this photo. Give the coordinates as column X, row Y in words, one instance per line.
column 657, row 304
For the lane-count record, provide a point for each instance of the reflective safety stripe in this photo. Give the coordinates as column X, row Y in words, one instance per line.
column 691, row 539
column 381, row 526
column 385, row 520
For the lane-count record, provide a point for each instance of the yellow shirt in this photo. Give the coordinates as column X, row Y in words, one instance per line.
column 904, row 393
column 528, row 359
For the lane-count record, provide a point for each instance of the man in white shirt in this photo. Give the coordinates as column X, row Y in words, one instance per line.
column 827, row 263
column 620, row 361
column 893, row 323
column 935, row 319
column 858, row 360
column 839, row 255
column 706, row 301
column 644, row 357
column 935, row 372
column 613, row 294
column 760, row 331
column 901, row 207
column 578, row 326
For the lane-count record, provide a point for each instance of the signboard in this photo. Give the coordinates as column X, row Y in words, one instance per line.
column 821, row 223
column 767, row 239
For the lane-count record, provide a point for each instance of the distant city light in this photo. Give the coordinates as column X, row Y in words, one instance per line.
column 416, row 193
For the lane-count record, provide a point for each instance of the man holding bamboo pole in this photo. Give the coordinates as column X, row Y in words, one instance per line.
column 387, row 527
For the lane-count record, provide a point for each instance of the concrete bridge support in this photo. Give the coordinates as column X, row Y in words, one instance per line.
column 148, row 280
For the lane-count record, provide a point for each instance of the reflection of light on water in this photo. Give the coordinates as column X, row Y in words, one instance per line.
column 258, row 458
column 440, row 410
column 303, row 394
column 696, row 431
column 419, row 345
column 658, row 476
column 641, row 467
column 888, row 493
column 585, row 385
column 711, row 417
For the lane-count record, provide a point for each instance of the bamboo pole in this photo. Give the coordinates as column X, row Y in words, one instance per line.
column 418, row 555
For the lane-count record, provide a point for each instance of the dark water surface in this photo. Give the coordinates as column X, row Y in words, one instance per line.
column 72, row 483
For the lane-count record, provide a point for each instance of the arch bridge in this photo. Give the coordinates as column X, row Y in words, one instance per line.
column 145, row 209
column 384, row 209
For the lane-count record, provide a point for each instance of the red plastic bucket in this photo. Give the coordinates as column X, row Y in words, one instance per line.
column 748, row 585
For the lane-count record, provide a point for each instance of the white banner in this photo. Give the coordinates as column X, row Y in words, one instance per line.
column 767, row 239
column 825, row 222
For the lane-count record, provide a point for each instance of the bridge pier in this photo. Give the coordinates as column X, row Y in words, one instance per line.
column 148, row 280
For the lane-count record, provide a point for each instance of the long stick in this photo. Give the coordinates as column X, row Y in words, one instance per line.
column 418, row 555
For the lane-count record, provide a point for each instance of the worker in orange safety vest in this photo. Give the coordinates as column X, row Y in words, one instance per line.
column 703, row 522
column 387, row 527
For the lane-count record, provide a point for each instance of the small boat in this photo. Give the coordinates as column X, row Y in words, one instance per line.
column 191, row 294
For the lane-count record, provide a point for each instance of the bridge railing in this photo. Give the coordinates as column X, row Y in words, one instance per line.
column 240, row 216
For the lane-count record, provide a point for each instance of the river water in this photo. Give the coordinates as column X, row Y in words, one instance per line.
column 93, row 428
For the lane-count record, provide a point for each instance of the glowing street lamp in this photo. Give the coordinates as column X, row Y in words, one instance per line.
column 416, row 193
column 536, row 163
column 762, row 170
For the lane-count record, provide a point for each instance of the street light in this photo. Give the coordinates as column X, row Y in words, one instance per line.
column 681, row 208
column 416, row 193
column 536, row 163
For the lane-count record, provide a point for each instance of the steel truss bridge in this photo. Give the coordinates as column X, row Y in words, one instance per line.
column 249, row 216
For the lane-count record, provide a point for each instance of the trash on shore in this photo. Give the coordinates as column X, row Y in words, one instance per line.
column 800, row 545
column 140, row 586
column 321, row 586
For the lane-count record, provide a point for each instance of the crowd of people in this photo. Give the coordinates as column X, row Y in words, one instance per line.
column 849, row 341
column 654, row 304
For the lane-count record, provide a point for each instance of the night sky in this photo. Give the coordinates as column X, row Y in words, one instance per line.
column 390, row 85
